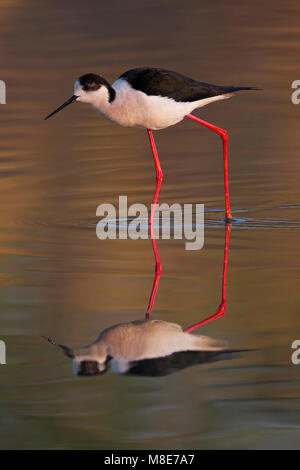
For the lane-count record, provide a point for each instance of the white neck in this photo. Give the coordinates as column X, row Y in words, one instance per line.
column 99, row 100
column 123, row 109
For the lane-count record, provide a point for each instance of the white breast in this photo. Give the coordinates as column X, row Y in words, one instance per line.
column 133, row 108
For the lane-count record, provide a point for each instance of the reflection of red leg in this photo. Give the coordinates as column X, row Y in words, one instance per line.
column 158, row 271
column 224, row 138
column 158, row 268
column 222, row 307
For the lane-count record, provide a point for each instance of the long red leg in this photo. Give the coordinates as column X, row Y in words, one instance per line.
column 224, row 138
column 159, row 177
column 158, row 267
column 222, row 307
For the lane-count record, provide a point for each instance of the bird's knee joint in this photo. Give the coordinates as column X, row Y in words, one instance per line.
column 158, row 269
column 223, row 133
column 159, row 177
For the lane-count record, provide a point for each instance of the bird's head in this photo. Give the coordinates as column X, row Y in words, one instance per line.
column 91, row 360
column 89, row 88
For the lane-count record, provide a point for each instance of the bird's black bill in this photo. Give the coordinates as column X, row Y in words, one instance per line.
column 67, row 351
column 69, row 101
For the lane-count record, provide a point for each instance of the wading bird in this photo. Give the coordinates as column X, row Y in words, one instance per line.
column 153, row 99
column 151, row 347
column 143, row 347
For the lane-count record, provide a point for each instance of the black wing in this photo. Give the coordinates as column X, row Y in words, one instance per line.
column 160, row 82
column 166, row 365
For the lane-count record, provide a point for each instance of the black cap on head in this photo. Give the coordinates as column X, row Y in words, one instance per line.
column 88, row 368
column 92, row 82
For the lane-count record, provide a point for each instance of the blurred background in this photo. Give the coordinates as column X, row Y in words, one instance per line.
column 57, row 279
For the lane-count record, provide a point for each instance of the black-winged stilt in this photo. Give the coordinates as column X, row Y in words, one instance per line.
column 153, row 99
column 126, row 344
column 144, row 347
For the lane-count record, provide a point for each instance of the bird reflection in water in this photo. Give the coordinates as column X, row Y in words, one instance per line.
column 151, row 347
